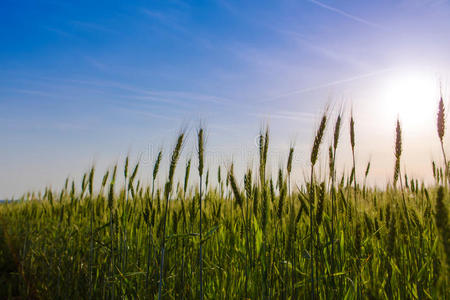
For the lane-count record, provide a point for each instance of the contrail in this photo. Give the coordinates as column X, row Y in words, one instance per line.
column 343, row 13
column 336, row 82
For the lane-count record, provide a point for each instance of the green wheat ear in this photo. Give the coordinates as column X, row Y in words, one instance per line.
column 398, row 151
column 234, row 186
column 91, row 180
column 105, row 178
column 186, row 176
column 337, row 130
column 441, row 120
column 157, row 163
column 318, row 139
column 200, row 150
column 155, row 171
column 352, row 131
column 263, row 150
column 111, row 188
column 320, row 203
column 248, row 183
column 173, row 164
column 331, row 161
column 125, row 168
column 289, row 162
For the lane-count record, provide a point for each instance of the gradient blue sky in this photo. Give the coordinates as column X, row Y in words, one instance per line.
column 87, row 82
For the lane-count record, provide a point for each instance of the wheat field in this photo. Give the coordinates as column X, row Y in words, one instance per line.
column 256, row 237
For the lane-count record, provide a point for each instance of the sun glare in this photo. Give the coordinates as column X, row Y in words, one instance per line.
column 412, row 96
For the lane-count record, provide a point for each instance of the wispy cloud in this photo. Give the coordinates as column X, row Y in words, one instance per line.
column 39, row 124
column 328, row 52
column 172, row 20
column 345, row 14
column 152, row 99
column 425, row 3
column 34, row 92
column 228, row 6
column 287, row 115
column 183, row 95
column 328, row 84
column 131, row 92
column 265, row 60
column 146, row 113
column 162, row 17
column 167, row 96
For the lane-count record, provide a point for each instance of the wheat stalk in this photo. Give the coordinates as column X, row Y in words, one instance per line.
column 313, row 159
column 200, row 151
column 167, row 190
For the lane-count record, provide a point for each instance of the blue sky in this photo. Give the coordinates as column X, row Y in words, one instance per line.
column 87, row 82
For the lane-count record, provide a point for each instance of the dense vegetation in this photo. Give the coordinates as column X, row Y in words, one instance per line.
column 331, row 238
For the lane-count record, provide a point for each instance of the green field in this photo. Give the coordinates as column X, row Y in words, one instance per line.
column 332, row 237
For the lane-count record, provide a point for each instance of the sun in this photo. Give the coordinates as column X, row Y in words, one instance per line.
column 412, row 97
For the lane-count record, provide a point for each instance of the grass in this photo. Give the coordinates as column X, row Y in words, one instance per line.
column 326, row 239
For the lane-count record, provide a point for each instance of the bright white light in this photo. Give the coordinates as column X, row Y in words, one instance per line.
column 412, row 96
